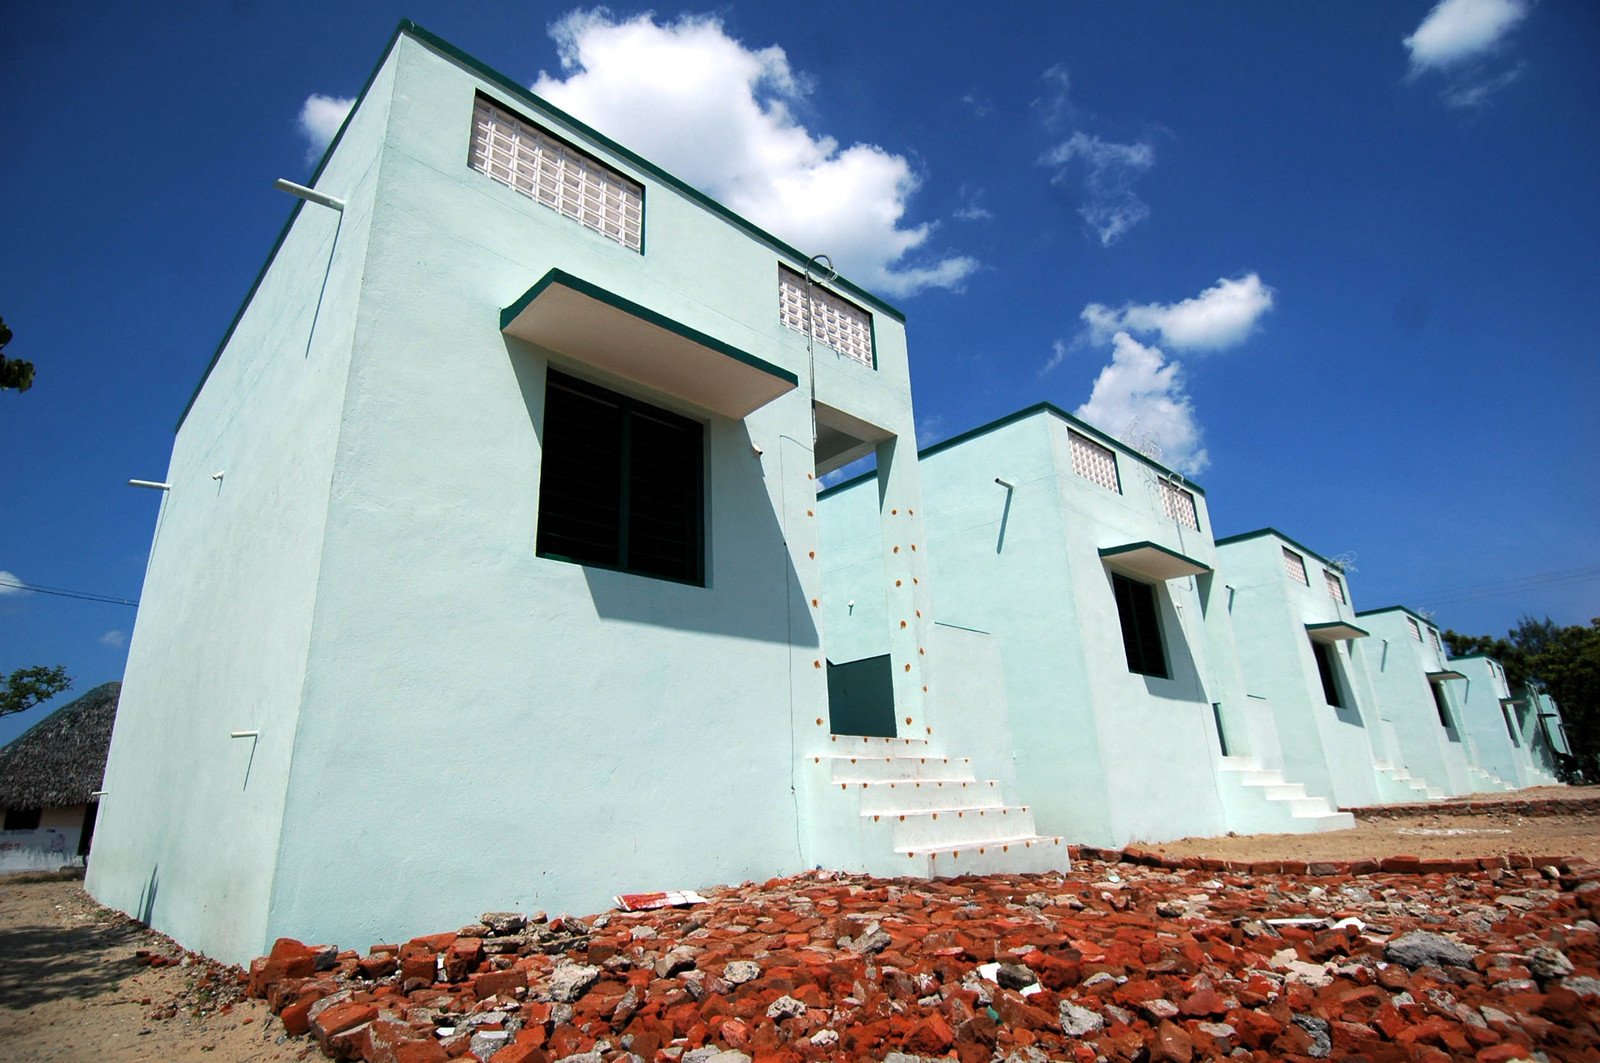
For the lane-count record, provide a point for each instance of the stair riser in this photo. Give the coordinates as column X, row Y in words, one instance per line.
column 1016, row 859
column 910, row 796
column 870, row 769
column 944, row 828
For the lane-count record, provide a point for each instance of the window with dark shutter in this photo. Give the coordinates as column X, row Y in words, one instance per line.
column 1141, row 627
column 621, row 483
column 1330, row 684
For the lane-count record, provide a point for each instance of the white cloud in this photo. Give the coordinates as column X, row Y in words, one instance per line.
column 320, row 118
column 1141, row 394
column 721, row 116
column 6, row 579
column 1058, row 354
column 115, row 638
column 1223, row 315
column 1456, row 31
column 972, row 208
column 1108, row 170
column 1475, row 91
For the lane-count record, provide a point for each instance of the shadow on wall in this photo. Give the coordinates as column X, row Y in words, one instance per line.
column 1185, row 683
column 752, row 589
column 147, row 897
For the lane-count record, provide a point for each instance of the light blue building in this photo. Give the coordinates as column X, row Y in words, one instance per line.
column 1296, row 627
column 1539, row 720
column 1417, row 691
column 487, row 571
column 1092, row 568
column 1494, row 729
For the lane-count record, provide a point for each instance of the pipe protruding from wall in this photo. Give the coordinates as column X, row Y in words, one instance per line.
column 155, row 484
column 1007, row 484
column 310, row 195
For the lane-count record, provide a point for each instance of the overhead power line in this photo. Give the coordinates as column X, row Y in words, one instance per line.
column 1514, row 585
column 62, row 592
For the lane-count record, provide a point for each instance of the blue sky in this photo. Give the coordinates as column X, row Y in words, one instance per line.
column 1340, row 261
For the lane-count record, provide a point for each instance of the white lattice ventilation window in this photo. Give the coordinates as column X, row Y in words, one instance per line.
column 1416, row 632
column 529, row 160
column 1335, row 588
column 1433, row 637
column 1093, row 462
column 1295, row 565
column 843, row 326
column 1179, row 505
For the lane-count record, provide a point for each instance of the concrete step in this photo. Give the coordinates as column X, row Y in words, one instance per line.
column 1329, row 820
column 873, row 768
column 939, row 828
column 917, row 794
column 1260, row 801
column 861, row 745
column 897, row 807
column 996, row 856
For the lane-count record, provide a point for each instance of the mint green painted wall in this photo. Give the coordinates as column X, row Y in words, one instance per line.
column 450, row 724
column 1024, row 566
column 187, row 835
column 592, row 719
column 1327, row 749
column 1484, row 721
column 1399, row 665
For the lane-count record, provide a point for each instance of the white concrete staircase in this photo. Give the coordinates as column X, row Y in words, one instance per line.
column 895, row 807
column 1485, row 782
column 1399, row 787
column 1260, row 800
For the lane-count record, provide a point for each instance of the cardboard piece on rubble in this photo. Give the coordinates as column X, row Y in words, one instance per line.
column 644, row 902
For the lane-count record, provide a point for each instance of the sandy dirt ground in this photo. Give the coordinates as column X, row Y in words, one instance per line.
column 1437, row 833
column 72, row 989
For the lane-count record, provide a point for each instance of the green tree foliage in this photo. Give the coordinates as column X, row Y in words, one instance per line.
column 27, row 687
column 15, row 374
column 1567, row 664
column 1564, row 662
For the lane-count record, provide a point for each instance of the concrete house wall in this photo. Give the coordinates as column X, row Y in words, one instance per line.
column 1277, row 620
column 1023, row 564
column 1400, row 662
column 444, row 721
column 1489, row 720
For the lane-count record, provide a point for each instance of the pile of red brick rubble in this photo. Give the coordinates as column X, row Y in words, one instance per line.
column 1122, row 959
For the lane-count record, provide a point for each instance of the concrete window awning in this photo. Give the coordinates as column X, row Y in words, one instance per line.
column 1151, row 561
column 1445, row 676
column 1336, row 631
column 581, row 321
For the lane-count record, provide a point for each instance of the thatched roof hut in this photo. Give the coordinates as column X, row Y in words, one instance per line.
column 60, row 760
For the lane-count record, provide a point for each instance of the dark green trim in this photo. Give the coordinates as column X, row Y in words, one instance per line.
column 1339, row 623
column 1259, row 532
column 643, row 313
column 449, row 51
column 456, row 55
column 1476, row 657
column 283, row 234
column 1111, row 553
column 1022, row 415
column 1418, row 617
